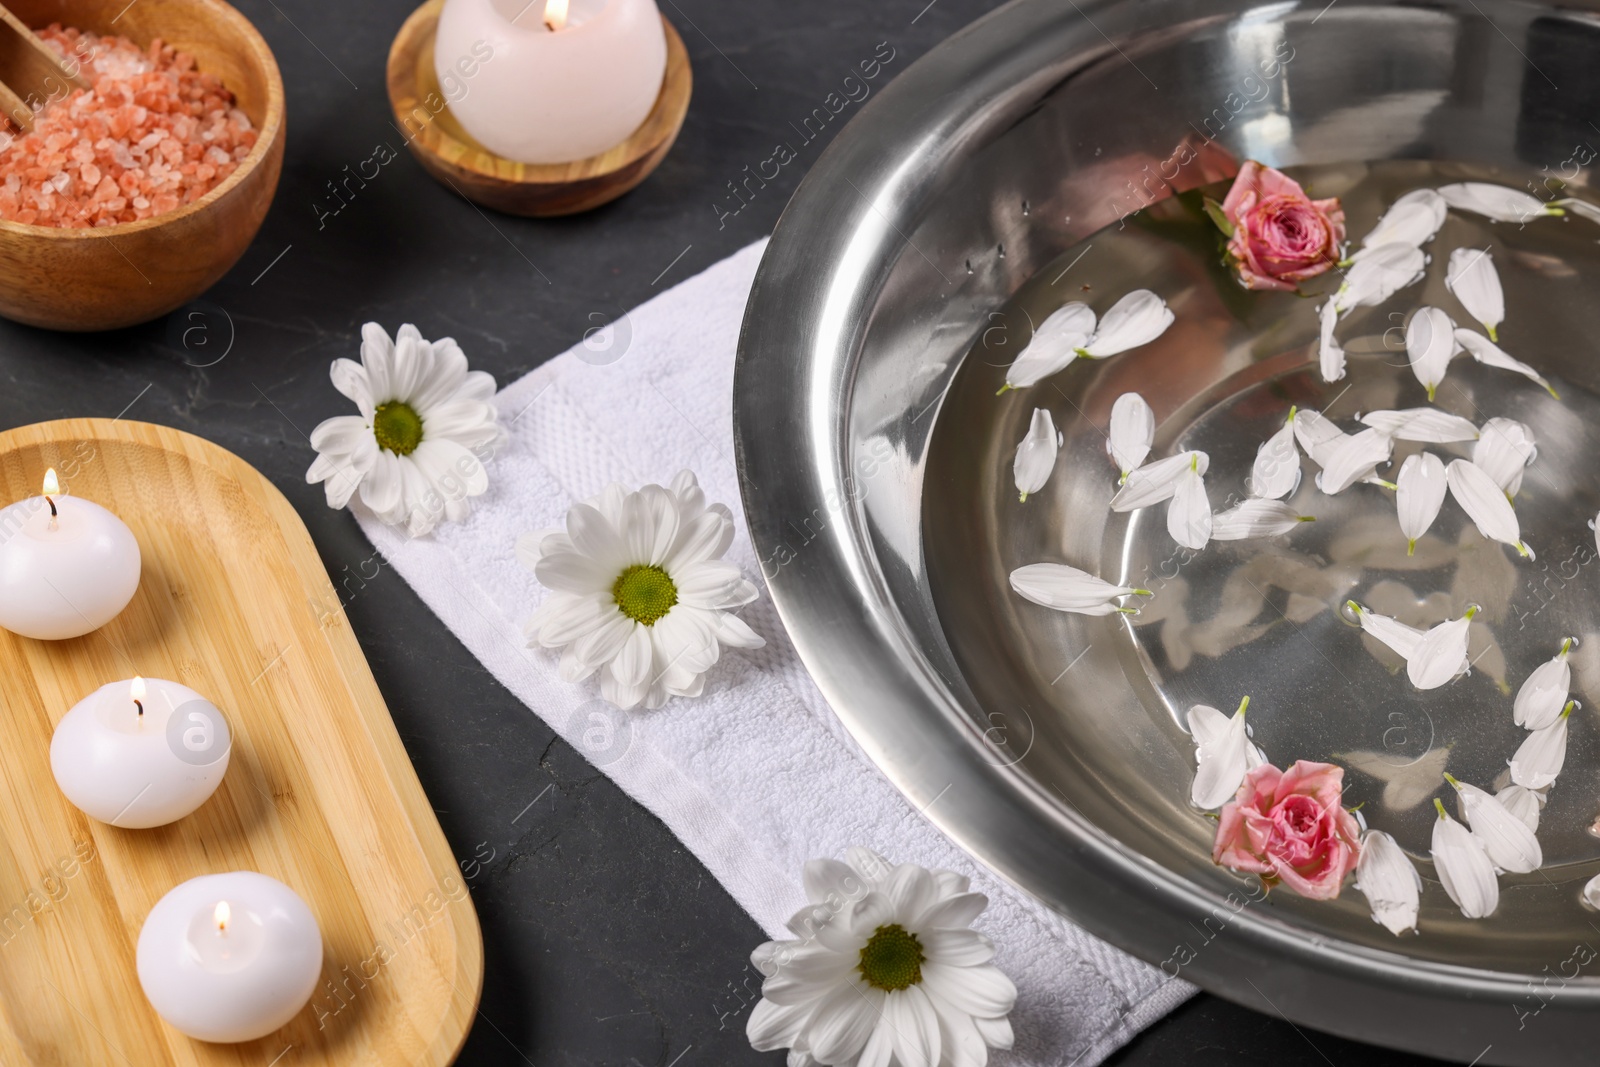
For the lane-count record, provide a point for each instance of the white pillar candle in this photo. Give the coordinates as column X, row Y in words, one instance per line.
column 550, row 81
column 229, row 957
column 67, row 566
column 140, row 753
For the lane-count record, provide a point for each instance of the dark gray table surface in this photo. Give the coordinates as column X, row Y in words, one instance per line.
column 605, row 941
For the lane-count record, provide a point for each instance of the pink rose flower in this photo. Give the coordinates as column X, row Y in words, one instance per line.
column 1291, row 827
column 1281, row 237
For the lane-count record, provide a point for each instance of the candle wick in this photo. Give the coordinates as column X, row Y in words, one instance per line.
column 52, row 504
column 140, row 705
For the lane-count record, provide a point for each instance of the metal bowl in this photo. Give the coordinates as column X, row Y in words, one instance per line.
column 875, row 482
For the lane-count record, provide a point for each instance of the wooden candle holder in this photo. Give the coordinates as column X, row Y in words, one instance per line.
column 453, row 156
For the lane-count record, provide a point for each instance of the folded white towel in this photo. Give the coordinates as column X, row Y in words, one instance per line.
column 757, row 775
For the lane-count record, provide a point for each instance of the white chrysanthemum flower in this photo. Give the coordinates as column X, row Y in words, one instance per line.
column 1412, row 220
column 414, row 451
column 1036, row 454
column 1498, row 202
column 1256, row 518
column 1063, row 588
column 1524, row 803
column 1539, row 759
column 1189, row 514
column 1428, row 426
column 1463, row 867
column 1053, row 346
column 1223, row 754
column 1276, row 472
column 1155, row 482
column 1352, row 458
column 1485, row 504
column 1504, row 450
column 1394, row 634
column 1378, row 273
column 1419, row 494
column 639, row 591
column 1137, row 319
column 1330, row 354
column 1544, row 694
column 1389, row 880
column 1430, row 346
column 885, row 969
column 1471, row 276
column 1133, row 429
column 1490, row 354
column 1506, row 839
column 1442, row 653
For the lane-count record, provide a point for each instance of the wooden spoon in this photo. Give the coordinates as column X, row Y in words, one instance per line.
column 31, row 74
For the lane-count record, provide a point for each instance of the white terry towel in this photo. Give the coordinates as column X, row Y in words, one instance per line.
column 756, row 776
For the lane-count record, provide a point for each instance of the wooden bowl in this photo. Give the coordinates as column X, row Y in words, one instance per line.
column 101, row 279
column 453, row 156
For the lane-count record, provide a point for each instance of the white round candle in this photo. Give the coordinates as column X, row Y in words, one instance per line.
column 229, row 957
column 140, row 753
column 536, row 94
column 67, row 566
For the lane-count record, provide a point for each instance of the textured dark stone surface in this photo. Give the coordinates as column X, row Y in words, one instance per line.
column 606, row 942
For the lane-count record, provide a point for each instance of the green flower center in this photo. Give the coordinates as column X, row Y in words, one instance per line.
column 891, row 959
column 398, row 427
column 644, row 593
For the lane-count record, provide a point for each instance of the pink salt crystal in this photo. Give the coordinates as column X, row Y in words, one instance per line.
column 153, row 133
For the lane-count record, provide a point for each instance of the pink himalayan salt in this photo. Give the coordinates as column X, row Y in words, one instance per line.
column 151, row 135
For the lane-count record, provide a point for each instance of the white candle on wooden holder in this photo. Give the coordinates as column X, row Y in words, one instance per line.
column 550, row 81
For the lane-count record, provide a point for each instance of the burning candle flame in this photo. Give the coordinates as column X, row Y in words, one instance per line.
column 52, row 484
column 136, row 693
column 555, row 14
column 222, row 915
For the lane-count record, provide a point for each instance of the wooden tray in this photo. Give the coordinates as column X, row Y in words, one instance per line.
column 234, row 602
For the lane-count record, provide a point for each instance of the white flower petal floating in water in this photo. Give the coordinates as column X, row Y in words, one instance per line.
column 1351, row 459
column 1330, row 355
column 1412, row 219
column 1538, row 760
column 1463, row 867
column 1378, row 273
column 1490, row 354
column 1581, row 208
column 1591, row 888
column 1498, row 202
column 1313, row 430
column 1133, row 428
column 1389, row 880
column 1223, row 754
column 1276, row 472
column 1136, row 319
column 1256, row 518
column 1430, row 345
column 1441, row 654
column 1189, row 514
column 1504, row 450
column 1485, row 504
column 1419, row 494
column 1403, row 639
column 1471, row 276
column 1524, row 803
column 1054, row 345
column 1506, row 839
column 1155, row 482
column 1544, row 694
column 1036, row 454
column 1063, row 588
column 1429, row 426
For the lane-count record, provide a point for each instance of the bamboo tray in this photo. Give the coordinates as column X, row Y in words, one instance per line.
column 234, row 602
